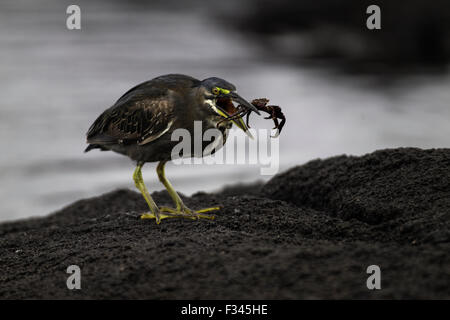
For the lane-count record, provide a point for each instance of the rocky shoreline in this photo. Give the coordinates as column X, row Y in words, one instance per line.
column 309, row 233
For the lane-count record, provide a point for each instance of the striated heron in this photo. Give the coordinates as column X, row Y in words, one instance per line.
column 139, row 125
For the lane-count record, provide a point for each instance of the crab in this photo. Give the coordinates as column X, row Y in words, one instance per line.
column 274, row 112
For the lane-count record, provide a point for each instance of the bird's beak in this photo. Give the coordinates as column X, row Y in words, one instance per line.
column 239, row 122
column 241, row 125
column 237, row 98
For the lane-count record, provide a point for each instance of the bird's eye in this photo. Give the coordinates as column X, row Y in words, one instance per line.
column 215, row 91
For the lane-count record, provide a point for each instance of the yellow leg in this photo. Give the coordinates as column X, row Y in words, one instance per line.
column 154, row 210
column 181, row 209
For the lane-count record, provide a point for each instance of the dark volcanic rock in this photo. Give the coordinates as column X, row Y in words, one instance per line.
column 404, row 190
column 320, row 31
column 335, row 218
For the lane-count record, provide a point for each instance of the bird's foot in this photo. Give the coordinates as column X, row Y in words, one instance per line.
column 165, row 213
column 187, row 213
column 158, row 216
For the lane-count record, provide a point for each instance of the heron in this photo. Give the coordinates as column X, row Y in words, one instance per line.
column 140, row 123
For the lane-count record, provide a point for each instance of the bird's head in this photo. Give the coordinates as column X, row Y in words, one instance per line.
column 219, row 95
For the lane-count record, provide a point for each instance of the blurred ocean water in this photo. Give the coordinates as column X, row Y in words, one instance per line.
column 55, row 82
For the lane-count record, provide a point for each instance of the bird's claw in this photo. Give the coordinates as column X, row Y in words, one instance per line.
column 187, row 213
column 157, row 216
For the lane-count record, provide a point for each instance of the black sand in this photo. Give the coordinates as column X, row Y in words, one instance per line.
column 310, row 232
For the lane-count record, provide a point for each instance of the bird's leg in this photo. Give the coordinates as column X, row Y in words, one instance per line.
column 181, row 209
column 154, row 210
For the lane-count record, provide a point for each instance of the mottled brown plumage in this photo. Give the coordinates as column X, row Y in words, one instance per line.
column 140, row 115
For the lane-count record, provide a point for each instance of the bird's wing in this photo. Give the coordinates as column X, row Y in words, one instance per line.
column 138, row 118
